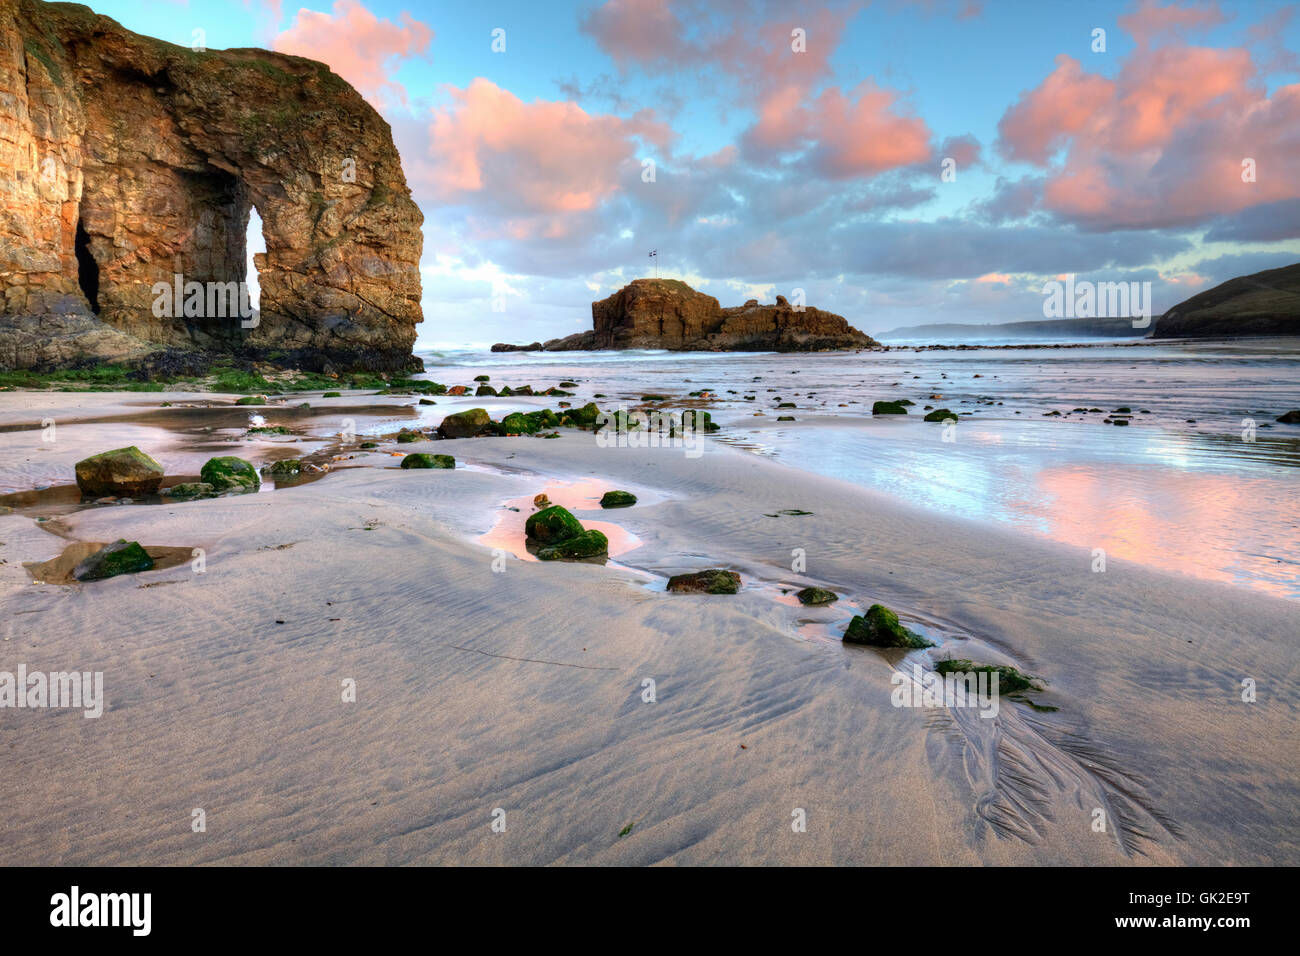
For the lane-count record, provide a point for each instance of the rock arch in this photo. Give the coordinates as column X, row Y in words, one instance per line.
column 154, row 154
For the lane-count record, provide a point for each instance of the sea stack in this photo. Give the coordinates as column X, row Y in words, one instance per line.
column 669, row 314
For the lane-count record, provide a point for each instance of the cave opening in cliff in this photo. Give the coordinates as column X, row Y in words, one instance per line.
column 87, row 269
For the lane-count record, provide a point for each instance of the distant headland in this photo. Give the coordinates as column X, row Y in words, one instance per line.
column 1262, row 304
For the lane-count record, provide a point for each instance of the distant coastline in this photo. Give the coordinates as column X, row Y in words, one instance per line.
column 1057, row 329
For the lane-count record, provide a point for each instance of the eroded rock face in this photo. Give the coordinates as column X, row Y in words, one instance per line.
column 669, row 314
column 135, row 161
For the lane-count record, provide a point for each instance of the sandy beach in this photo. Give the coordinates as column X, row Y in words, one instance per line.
column 488, row 682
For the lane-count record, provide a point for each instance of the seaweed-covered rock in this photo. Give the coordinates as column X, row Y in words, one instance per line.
column 252, row 400
column 785, row 418
column 485, row 390
column 879, row 627
column 406, row 436
column 331, row 395
column 698, row 419
column 1010, row 680
column 940, row 415
column 482, row 378
column 517, row 423
column 283, row 468
column 624, row 422
column 712, row 581
column 229, row 473
column 552, row 525
column 617, row 499
column 190, row 490
column 465, row 424
column 584, row 416
column 120, row 557
column 815, row 597
column 888, row 408
column 124, row 472
column 589, row 544
column 1290, row 418
column 423, row 460
column 544, row 418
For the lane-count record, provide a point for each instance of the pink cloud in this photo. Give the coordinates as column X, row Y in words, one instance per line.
column 1188, row 280
column 1162, row 144
column 863, row 134
column 534, row 164
column 643, row 32
column 780, row 67
column 1151, row 22
column 358, row 46
column 1063, row 104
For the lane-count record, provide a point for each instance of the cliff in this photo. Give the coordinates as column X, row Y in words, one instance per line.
column 136, row 161
column 669, row 314
column 1265, row 303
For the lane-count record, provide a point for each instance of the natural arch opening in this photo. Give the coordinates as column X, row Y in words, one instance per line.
column 255, row 244
column 87, row 269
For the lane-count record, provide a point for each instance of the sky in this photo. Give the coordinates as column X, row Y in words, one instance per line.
column 899, row 162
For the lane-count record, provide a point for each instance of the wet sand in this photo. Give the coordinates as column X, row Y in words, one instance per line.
column 521, row 690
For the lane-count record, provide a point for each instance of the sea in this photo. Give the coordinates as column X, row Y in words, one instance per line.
column 1203, row 480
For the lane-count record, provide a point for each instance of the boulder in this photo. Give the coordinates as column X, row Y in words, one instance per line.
column 124, row 472
column 617, row 499
column 815, row 597
column 588, row 544
column 1010, row 680
column 712, row 581
column 517, row 423
column 940, row 415
column 229, row 473
column 584, row 416
column 190, row 490
column 120, row 557
column 552, row 525
column 1290, row 418
column 423, row 460
column 888, row 408
column 465, row 424
column 879, row 627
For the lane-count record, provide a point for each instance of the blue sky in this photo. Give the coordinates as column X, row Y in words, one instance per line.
column 819, row 169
